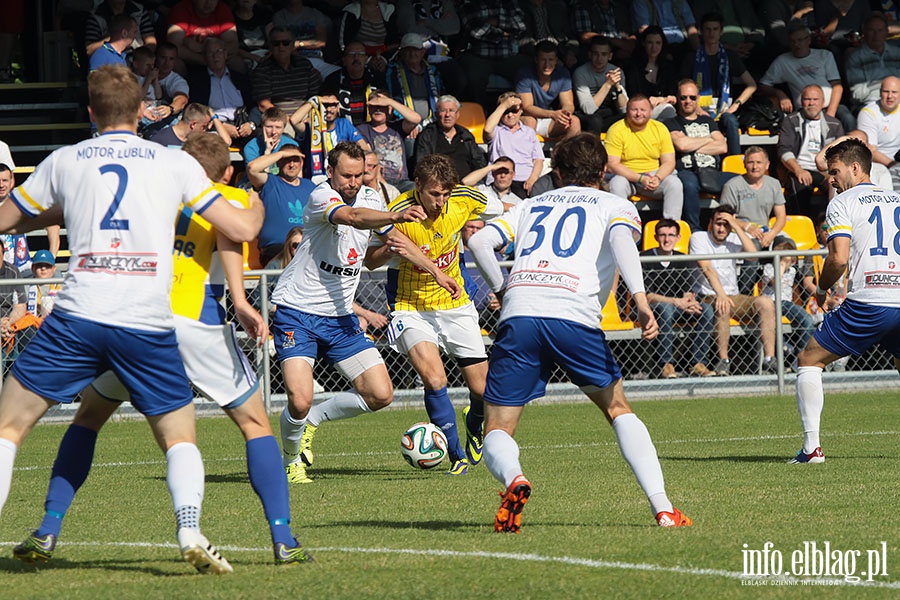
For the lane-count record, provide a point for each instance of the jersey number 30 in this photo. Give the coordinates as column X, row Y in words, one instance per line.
column 108, row 222
column 538, row 228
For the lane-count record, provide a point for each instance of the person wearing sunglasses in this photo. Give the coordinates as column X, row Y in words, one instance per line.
column 285, row 79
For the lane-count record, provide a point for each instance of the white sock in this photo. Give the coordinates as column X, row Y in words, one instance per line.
column 291, row 432
column 7, row 459
column 501, row 455
column 640, row 454
column 344, row 405
column 810, row 401
column 185, row 478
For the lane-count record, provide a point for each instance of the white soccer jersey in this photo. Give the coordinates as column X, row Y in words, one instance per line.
column 323, row 276
column 563, row 258
column 870, row 217
column 119, row 194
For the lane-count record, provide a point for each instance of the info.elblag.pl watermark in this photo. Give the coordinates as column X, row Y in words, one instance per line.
column 820, row 562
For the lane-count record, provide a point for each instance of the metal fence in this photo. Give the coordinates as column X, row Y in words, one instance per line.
column 640, row 361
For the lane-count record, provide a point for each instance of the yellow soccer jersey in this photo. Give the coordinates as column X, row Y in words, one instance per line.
column 408, row 287
column 199, row 281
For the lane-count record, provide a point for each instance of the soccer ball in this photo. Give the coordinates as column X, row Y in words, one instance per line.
column 424, row 446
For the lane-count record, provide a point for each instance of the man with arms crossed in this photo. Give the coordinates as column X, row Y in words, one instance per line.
column 119, row 214
column 315, row 294
column 204, row 261
column 861, row 222
column 549, row 320
column 426, row 320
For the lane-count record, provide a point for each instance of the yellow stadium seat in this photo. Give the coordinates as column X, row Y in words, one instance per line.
column 734, row 163
column 650, row 241
column 471, row 116
column 610, row 319
column 800, row 229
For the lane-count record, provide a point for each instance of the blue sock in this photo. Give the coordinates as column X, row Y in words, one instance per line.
column 70, row 470
column 270, row 484
column 440, row 411
column 476, row 414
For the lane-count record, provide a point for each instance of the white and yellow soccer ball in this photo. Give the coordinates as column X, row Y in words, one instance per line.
column 424, row 446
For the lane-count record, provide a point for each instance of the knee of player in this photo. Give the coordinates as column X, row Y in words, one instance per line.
column 377, row 399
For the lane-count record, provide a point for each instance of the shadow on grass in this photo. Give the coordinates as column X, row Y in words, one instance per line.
column 779, row 458
column 424, row 525
column 138, row 565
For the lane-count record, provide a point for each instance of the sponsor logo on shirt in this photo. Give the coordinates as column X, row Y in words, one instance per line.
column 882, row 279
column 118, row 263
column 341, row 271
column 444, row 261
column 551, row 279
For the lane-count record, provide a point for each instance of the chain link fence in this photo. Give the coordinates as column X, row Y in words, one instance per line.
column 642, row 362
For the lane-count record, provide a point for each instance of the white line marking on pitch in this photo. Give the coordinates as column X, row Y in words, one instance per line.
column 536, row 558
column 658, row 442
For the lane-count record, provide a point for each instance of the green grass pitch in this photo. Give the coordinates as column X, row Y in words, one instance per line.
column 380, row 529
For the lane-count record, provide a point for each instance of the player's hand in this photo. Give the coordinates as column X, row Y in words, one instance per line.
column 252, row 322
column 377, row 320
column 649, row 326
column 413, row 214
column 493, row 302
column 449, row 284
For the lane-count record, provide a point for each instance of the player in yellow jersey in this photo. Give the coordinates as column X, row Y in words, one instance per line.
column 204, row 260
column 426, row 320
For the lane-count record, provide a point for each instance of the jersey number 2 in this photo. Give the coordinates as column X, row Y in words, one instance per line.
column 108, row 222
column 538, row 228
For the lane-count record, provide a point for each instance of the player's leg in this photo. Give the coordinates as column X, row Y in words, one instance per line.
column 811, row 399
column 474, row 372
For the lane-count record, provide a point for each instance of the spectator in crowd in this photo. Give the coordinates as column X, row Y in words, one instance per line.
column 438, row 22
column 412, row 80
column 225, row 91
column 755, row 197
column 373, row 23
column 599, row 88
column 608, row 19
column 502, row 172
column 718, row 286
column 175, row 90
column 270, row 135
column 252, row 19
column 6, row 156
column 319, row 129
column 122, row 31
column 838, row 23
column 309, row 27
column 12, row 308
column 674, row 17
column 802, row 135
column 15, row 246
column 880, row 174
column 373, row 178
column 191, row 22
column 285, row 79
column 871, row 62
column 788, row 273
column 652, row 72
column 196, row 117
column 668, row 284
column 804, row 66
column 507, row 136
column 545, row 89
column 354, row 83
column 386, row 137
column 880, row 121
column 642, row 158
column 776, row 17
column 96, row 28
column 143, row 65
column 698, row 147
column 284, row 196
column 40, row 298
column 742, row 30
column 491, row 29
column 444, row 136
column 713, row 67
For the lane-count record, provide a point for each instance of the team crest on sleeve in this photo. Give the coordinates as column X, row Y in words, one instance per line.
column 288, row 340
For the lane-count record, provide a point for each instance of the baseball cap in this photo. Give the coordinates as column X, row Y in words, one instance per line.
column 412, row 40
column 43, row 257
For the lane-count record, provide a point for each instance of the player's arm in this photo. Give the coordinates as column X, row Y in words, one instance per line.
column 13, row 220
column 232, row 258
column 483, row 246
column 622, row 244
column 238, row 224
column 368, row 218
column 397, row 243
column 834, row 266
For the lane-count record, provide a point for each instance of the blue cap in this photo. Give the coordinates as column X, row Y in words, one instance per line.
column 43, row 257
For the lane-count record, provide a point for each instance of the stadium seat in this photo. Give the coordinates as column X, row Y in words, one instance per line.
column 471, row 116
column 734, row 163
column 251, row 256
column 611, row 320
column 800, row 229
column 650, row 241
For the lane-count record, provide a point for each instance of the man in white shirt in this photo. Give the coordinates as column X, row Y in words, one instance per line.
column 880, row 121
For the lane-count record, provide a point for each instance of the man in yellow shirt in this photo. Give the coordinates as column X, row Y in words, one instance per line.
column 426, row 320
column 642, row 158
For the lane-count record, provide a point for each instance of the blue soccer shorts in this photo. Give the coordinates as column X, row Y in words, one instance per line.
column 300, row 334
column 854, row 327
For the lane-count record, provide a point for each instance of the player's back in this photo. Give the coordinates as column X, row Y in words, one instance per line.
column 563, row 264
column 870, row 216
column 120, row 195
